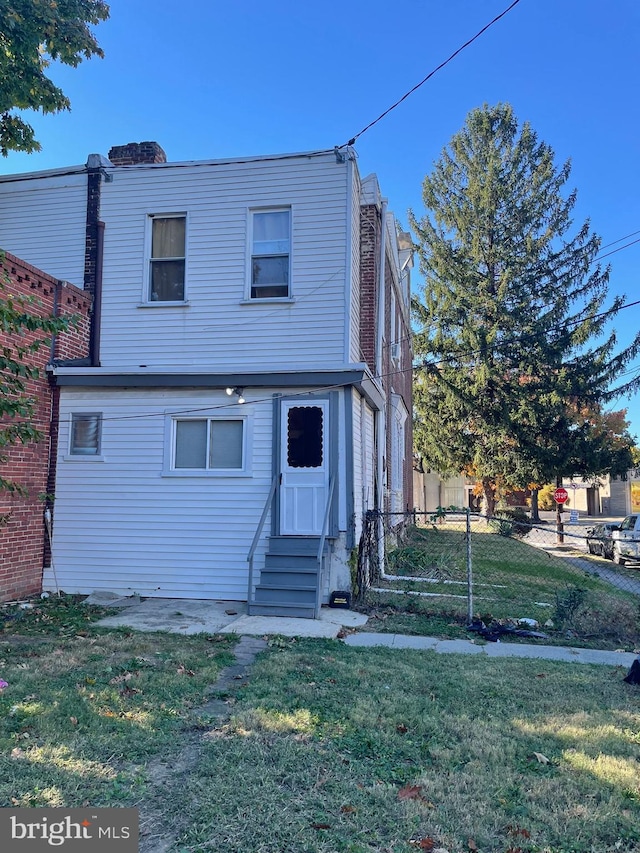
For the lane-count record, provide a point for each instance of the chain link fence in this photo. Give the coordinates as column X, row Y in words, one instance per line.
column 497, row 574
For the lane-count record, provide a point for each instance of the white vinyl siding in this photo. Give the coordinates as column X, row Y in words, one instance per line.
column 353, row 262
column 44, row 221
column 123, row 525
column 220, row 329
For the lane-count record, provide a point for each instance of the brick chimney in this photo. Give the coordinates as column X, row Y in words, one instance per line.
column 134, row 153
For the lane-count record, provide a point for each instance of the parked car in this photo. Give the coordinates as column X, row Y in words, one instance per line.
column 626, row 541
column 600, row 539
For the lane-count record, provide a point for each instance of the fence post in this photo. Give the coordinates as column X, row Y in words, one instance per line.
column 469, row 571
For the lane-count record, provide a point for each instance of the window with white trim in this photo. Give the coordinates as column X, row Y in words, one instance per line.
column 86, row 434
column 209, row 444
column 270, row 266
column 167, row 258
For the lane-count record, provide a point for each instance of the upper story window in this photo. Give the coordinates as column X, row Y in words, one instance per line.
column 270, row 253
column 167, row 258
column 86, row 429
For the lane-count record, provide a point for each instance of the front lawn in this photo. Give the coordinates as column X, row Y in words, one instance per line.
column 323, row 748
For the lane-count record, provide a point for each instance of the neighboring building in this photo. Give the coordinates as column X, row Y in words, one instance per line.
column 250, row 353
column 432, row 491
column 611, row 497
column 22, row 531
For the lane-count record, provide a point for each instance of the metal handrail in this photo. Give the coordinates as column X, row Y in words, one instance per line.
column 325, row 526
column 256, row 538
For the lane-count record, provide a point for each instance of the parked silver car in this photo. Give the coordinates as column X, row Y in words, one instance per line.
column 626, row 541
column 599, row 539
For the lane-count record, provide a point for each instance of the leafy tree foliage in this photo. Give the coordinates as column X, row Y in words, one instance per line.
column 22, row 333
column 512, row 327
column 33, row 33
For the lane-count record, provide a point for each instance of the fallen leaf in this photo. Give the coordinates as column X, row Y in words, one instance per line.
column 402, row 729
column 426, row 843
column 410, row 792
column 73, row 721
column 542, row 759
column 348, row 809
column 320, row 826
column 471, row 844
column 15, row 801
column 17, row 752
column 182, row 670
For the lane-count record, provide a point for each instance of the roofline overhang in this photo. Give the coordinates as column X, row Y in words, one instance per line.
column 357, row 375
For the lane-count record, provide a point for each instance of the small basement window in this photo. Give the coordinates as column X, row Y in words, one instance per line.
column 86, row 434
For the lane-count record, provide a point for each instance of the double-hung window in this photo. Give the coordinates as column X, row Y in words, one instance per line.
column 270, row 253
column 167, row 258
column 209, row 444
column 86, row 430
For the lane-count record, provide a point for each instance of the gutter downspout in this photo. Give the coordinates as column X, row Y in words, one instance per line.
column 96, row 313
column 381, row 416
column 54, row 417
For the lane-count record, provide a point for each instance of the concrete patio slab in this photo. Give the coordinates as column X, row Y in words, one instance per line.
column 182, row 616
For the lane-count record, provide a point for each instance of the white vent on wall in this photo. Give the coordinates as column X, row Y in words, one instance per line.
column 395, row 351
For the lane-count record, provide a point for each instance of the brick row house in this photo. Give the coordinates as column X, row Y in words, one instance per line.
column 22, row 529
column 247, row 393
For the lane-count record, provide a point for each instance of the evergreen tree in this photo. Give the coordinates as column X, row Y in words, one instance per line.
column 512, row 325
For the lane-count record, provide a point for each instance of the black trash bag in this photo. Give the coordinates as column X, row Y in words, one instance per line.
column 633, row 676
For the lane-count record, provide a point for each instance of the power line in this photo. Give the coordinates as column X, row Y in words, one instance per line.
column 521, row 338
column 317, row 389
column 430, row 75
column 426, row 329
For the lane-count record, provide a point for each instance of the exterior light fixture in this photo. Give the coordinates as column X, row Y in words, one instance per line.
column 238, row 392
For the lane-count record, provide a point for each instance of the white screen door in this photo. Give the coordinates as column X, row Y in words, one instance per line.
column 304, row 465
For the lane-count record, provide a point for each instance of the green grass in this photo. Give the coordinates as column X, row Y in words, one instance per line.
column 324, row 748
column 84, row 705
column 512, row 579
column 339, row 749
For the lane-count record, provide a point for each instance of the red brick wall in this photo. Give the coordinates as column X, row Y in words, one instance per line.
column 396, row 379
column 22, row 539
column 369, row 264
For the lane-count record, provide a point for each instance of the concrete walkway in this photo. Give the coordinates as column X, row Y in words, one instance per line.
column 228, row 617
column 492, row 650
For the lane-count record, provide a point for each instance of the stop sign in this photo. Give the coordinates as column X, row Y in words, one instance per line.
column 560, row 495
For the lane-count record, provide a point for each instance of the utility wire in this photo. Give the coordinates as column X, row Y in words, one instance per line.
column 426, row 329
column 315, row 390
column 430, row 75
column 524, row 338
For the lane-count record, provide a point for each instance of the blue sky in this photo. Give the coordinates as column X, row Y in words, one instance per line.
column 208, row 79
